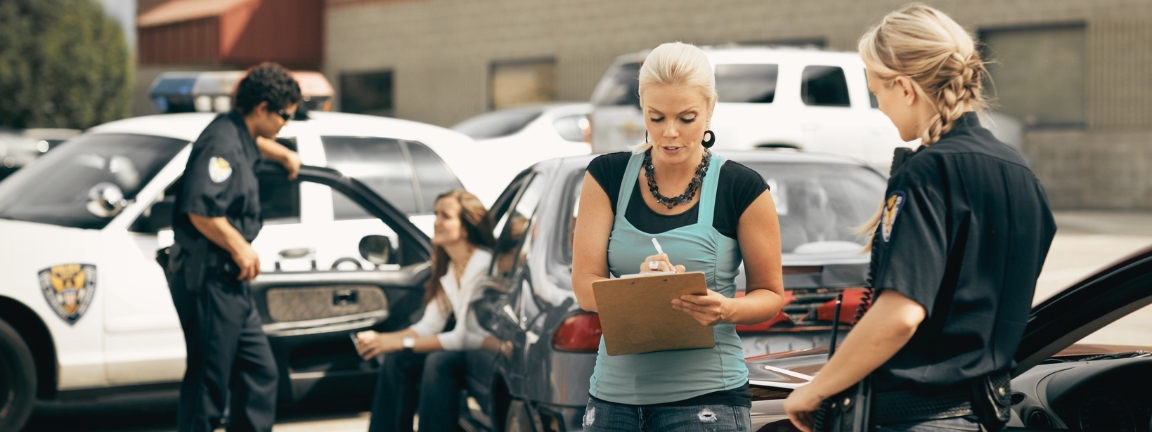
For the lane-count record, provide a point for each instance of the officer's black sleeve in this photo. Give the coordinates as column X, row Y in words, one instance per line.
column 209, row 176
column 909, row 253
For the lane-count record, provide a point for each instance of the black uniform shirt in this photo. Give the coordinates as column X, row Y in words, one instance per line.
column 220, row 180
column 964, row 232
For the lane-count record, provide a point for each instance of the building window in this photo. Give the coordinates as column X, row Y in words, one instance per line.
column 1038, row 74
column 367, row 93
column 522, row 82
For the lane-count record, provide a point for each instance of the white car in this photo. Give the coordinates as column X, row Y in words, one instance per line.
column 520, row 137
column 797, row 98
column 85, row 309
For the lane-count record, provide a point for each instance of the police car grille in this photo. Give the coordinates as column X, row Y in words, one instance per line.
column 802, row 310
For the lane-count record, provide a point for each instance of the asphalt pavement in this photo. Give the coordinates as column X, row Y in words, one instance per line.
column 1085, row 242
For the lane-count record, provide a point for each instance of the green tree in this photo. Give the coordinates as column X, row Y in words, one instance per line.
column 63, row 63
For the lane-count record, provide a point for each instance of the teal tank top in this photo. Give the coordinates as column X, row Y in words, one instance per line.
column 671, row 376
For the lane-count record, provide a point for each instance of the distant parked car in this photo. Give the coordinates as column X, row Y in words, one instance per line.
column 18, row 147
column 520, row 137
column 527, row 297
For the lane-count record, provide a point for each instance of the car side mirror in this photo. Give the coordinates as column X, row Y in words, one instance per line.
column 106, row 200
column 377, row 249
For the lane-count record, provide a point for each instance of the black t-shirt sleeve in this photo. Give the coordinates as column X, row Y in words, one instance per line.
column 909, row 252
column 608, row 171
column 209, row 180
column 745, row 183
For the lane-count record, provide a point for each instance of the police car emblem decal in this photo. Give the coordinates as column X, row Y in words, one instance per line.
column 219, row 169
column 69, row 289
column 891, row 209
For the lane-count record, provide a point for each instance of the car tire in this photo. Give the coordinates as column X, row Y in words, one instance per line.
column 518, row 419
column 17, row 379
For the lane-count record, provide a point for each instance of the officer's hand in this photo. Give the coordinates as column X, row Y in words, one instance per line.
column 708, row 309
column 292, row 164
column 801, row 407
column 249, row 263
column 662, row 264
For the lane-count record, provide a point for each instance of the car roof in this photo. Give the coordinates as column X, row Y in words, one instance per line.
column 756, row 156
column 187, row 126
column 744, row 54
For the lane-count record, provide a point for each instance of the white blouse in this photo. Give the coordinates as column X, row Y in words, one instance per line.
column 467, row 334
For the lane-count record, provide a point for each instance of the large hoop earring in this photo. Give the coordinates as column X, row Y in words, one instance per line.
column 709, row 139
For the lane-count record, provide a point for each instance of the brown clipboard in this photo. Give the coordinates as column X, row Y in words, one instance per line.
column 636, row 313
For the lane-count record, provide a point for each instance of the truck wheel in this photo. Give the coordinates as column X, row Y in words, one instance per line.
column 518, row 419
column 17, row 379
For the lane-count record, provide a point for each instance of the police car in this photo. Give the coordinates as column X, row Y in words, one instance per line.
column 85, row 309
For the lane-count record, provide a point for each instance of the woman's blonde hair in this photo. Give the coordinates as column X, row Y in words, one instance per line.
column 939, row 56
column 677, row 63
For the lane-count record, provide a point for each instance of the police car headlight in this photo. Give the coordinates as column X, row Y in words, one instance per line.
column 222, row 103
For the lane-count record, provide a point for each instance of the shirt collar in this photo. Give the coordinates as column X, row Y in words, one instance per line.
column 967, row 121
column 250, row 147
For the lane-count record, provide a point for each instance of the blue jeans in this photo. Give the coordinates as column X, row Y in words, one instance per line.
column 601, row 416
column 954, row 424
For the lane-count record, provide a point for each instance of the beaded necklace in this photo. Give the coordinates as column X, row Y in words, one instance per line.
column 693, row 186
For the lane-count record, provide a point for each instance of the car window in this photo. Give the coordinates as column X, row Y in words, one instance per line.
column 821, row 205
column 379, row 163
column 498, row 123
column 432, row 175
column 56, row 188
column 515, row 227
column 279, row 198
column 824, row 86
column 568, row 223
column 871, row 96
column 1128, row 330
column 746, row 83
column 620, row 88
column 569, row 127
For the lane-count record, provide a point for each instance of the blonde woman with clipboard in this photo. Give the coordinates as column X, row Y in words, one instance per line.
column 718, row 214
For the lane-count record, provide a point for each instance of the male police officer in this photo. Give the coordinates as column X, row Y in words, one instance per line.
column 217, row 218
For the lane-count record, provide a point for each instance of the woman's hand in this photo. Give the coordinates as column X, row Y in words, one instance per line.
column 801, row 407
column 371, row 344
column 708, row 309
column 662, row 265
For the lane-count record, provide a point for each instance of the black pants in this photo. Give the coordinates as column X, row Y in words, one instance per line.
column 227, row 352
column 434, row 379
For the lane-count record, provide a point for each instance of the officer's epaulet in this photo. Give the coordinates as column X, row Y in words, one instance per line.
column 898, row 157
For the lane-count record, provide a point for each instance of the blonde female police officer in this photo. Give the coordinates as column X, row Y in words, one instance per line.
column 963, row 233
column 217, row 218
column 708, row 214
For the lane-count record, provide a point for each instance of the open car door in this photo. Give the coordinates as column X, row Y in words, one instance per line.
column 308, row 315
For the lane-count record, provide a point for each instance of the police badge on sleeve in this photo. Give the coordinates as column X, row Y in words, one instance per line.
column 69, row 289
column 219, row 169
column 891, row 210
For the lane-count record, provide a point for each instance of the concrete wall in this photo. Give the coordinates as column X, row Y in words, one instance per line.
column 441, row 52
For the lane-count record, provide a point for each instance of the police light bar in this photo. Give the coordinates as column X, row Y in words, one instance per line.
column 212, row 91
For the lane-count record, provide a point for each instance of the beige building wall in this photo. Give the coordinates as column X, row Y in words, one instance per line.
column 441, row 52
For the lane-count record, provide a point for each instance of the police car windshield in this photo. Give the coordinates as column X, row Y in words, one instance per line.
column 55, row 188
column 821, row 205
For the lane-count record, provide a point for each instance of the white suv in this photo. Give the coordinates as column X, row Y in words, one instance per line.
column 799, row 98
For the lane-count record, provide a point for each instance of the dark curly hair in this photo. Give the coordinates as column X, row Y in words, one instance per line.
column 267, row 82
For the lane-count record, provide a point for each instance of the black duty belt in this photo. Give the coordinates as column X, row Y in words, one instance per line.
column 902, row 406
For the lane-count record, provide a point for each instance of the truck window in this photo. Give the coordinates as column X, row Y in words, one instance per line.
column 746, row 83
column 824, row 86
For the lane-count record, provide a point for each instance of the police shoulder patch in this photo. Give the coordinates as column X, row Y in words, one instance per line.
column 892, row 207
column 219, row 169
column 69, row 289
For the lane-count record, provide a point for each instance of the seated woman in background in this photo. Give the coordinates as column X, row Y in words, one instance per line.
column 423, row 358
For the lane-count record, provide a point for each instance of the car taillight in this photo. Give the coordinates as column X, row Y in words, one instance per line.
column 852, row 299
column 579, row 333
column 764, row 326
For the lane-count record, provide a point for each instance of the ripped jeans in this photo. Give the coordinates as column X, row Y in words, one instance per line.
column 603, row 416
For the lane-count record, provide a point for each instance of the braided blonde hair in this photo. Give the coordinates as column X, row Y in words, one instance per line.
column 939, row 56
